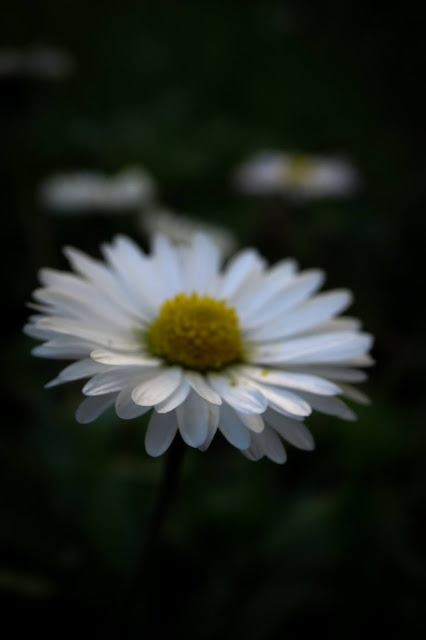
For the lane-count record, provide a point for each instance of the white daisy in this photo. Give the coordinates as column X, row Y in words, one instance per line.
column 181, row 229
column 85, row 191
column 248, row 350
column 297, row 175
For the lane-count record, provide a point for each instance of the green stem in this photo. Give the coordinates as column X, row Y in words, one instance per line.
column 165, row 498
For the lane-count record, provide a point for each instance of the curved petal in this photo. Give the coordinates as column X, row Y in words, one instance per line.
column 233, row 429
column 199, row 383
column 355, row 394
column 273, row 447
column 328, row 348
column 175, row 399
column 112, row 380
column 101, row 277
column 125, row 408
column 77, row 370
column 298, row 290
column 92, row 408
column 293, row 431
column 124, row 359
column 239, row 395
column 161, row 431
column 201, row 264
column 252, row 421
column 285, row 401
column 291, row 380
column 155, row 389
column 239, row 270
column 305, row 317
column 329, row 406
column 213, row 422
column 167, row 259
column 193, row 420
column 270, row 285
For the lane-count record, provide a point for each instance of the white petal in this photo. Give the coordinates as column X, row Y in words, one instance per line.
column 293, row 431
column 124, row 359
column 170, row 265
column 140, row 274
column 100, row 276
column 238, row 394
column 193, row 419
column 160, row 433
column 201, row 264
column 355, row 394
column 157, row 388
column 329, row 406
column 256, row 450
column 334, row 373
column 239, row 270
column 305, row 317
column 77, row 370
column 332, row 347
column 252, row 421
column 38, row 332
column 199, row 383
column 134, row 271
column 269, row 286
column 92, row 306
column 78, row 329
column 233, row 429
column 75, row 286
column 291, row 380
column 286, row 402
column 92, row 408
column 175, row 399
column 213, row 422
column 298, row 290
column 343, row 323
column 273, row 447
column 62, row 352
column 364, row 360
column 114, row 380
column 125, row 408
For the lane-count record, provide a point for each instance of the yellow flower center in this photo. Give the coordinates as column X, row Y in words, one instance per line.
column 195, row 331
column 299, row 169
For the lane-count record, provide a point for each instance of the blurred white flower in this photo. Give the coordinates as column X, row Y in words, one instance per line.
column 94, row 192
column 181, row 229
column 37, row 62
column 297, row 175
column 248, row 350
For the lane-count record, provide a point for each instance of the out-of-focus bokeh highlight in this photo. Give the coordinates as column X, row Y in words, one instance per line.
column 292, row 126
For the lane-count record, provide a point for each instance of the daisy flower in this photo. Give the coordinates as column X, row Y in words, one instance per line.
column 84, row 191
column 297, row 175
column 181, row 229
column 248, row 350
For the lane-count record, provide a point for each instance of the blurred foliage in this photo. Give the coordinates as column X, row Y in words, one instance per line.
column 333, row 539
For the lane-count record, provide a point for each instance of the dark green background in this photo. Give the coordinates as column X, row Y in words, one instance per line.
column 332, row 541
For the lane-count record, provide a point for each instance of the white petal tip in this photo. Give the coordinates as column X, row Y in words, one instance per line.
column 349, row 416
column 53, row 383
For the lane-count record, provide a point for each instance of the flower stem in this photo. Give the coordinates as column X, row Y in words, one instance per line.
column 164, row 500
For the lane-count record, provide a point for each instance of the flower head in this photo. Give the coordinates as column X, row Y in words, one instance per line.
column 91, row 191
column 181, row 229
column 297, row 175
column 247, row 350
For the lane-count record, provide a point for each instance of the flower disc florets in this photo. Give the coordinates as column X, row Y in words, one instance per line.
column 195, row 331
